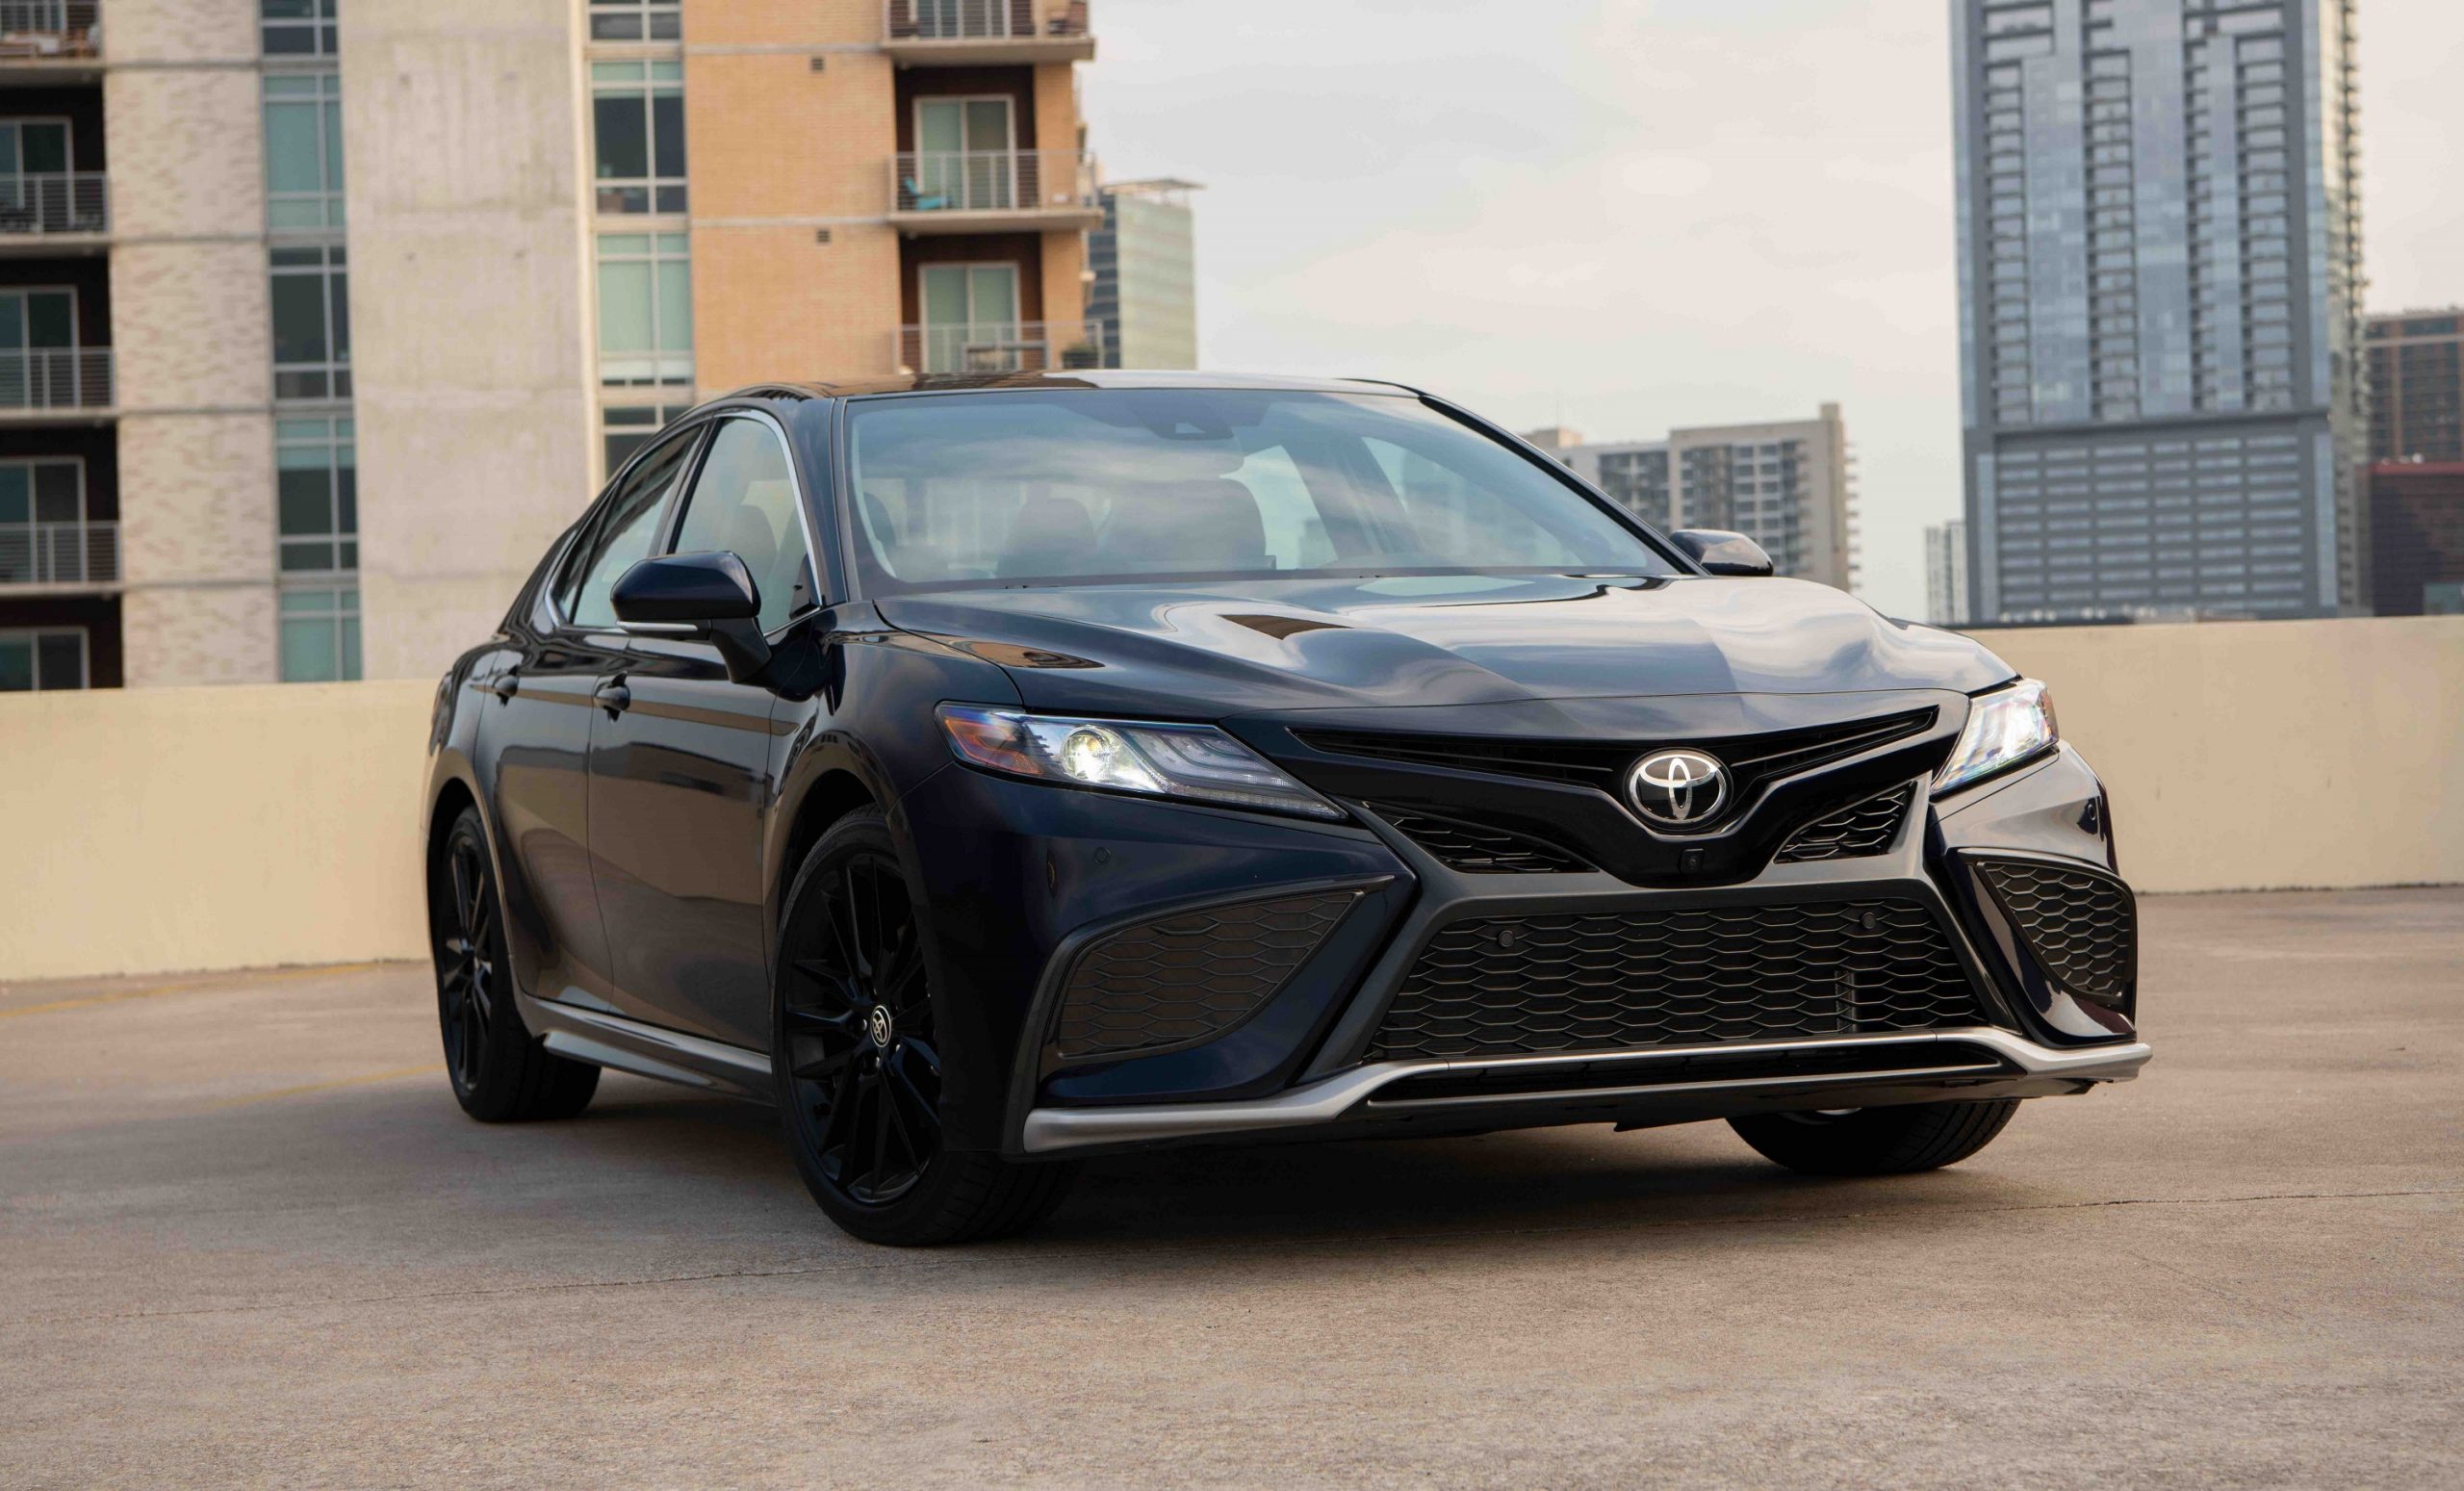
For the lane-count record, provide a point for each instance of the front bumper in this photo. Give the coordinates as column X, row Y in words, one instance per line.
column 1308, row 1060
column 1633, row 1089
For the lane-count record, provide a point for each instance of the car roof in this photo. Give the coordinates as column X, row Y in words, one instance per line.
column 1088, row 379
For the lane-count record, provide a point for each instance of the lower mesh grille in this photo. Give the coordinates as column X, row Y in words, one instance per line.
column 1504, row 986
column 2082, row 926
column 1852, row 832
column 1477, row 848
column 1190, row 977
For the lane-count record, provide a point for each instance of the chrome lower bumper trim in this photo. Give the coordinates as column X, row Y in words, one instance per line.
column 1052, row 1129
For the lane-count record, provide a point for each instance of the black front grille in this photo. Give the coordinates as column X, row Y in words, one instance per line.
column 1513, row 985
column 2082, row 926
column 1852, row 832
column 1477, row 848
column 1752, row 761
column 1190, row 977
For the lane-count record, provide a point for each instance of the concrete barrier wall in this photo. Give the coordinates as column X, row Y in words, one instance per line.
column 153, row 830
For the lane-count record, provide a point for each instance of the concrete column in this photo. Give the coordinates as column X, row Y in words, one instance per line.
column 464, row 132
column 192, row 340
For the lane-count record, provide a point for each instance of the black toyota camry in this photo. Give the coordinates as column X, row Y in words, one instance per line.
column 990, row 773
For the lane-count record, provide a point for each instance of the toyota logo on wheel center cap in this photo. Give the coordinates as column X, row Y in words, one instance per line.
column 1679, row 788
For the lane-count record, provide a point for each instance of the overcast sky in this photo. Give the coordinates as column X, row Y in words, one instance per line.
column 1640, row 213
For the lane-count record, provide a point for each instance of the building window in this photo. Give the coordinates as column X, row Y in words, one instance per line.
column 637, row 131
column 297, row 28
column 48, row 659
column 645, row 309
column 624, row 429
column 303, row 150
column 311, row 324
column 636, row 20
column 320, row 635
column 316, row 495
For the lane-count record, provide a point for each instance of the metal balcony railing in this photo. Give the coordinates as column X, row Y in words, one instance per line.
column 50, row 28
column 55, row 202
column 981, row 20
column 58, row 553
column 1000, row 347
column 56, row 379
column 994, row 181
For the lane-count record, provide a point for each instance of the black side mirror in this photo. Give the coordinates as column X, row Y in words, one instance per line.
column 709, row 595
column 1717, row 551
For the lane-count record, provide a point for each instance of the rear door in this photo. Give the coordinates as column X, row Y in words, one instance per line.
column 681, row 766
column 538, row 728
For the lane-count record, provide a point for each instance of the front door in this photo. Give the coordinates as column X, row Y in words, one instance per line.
column 538, row 730
column 971, row 319
column 966, row 153
column 38, row 349
column 683, row 767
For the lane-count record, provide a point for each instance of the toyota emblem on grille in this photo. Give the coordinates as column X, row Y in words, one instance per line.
column 1679, row 788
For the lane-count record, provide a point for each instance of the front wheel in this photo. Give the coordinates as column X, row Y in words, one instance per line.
column 1876, row 1140
column 858, row 1059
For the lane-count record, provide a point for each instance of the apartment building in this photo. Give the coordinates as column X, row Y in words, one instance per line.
column 571, row 221
column 2159, row 265
column 1142, row 274
column 1787, row 485
column 2416, row 386
column 178, row 500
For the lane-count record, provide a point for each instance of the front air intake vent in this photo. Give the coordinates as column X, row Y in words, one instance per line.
column 2082, row 926
column 1477, row 848
column 1184, row 979
column 1503, row 986
column 1863, row 831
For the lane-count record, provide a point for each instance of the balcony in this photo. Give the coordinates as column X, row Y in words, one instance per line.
column 44, row 213
column 985, row 33
column 40, row 384
column 59, row 555
column 53, row 35
column 992, row 191
column 999, row 347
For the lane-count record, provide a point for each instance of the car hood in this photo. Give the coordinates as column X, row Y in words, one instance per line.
column 1217, row 651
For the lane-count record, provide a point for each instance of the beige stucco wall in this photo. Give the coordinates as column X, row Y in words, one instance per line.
column 471, row 324
column 179, row 829
column 153, row 830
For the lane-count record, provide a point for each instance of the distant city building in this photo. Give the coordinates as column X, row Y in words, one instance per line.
column 1946, row 574
column 1143, row 264
column 2417, row 387
column 2160, row 331
column 1784, row 484
column 2416, row 538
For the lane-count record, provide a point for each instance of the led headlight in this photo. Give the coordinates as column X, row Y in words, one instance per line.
column 2004, row 727
column 1197, row 762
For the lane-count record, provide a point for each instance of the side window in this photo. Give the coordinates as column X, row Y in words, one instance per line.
column 623, row 537
column 1450, row 514
column 1295, row 530
column 744, row 503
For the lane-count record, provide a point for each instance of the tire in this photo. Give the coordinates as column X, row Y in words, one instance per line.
column 1876, row 1140
column 501, row 1073
column 857, row 1064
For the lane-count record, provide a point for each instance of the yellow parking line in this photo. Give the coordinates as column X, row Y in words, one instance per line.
column 190, row 986
column 306, row 1088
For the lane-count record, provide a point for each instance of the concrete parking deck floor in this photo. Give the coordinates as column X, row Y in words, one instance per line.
column 246, row 1237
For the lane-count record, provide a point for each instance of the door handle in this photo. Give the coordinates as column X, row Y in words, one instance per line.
column 614, row 698
column 503, row 685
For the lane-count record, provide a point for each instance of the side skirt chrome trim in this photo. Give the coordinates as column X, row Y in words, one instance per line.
column 1051, row 1129
column 645, row 1051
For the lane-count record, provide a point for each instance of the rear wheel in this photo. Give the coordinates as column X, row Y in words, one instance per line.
column 859, row 1058
column 500, row 1074
column 1876, row 1140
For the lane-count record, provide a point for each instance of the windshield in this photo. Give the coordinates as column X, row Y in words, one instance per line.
column 1072, row 486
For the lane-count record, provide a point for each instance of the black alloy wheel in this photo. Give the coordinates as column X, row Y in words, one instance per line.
column 1893, row 1141
column 859, row 1060
column 500, row 1074
column 859, row 1031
